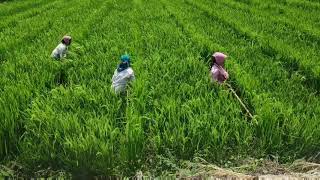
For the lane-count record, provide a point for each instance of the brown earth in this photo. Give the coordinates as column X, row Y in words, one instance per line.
column 252, row 170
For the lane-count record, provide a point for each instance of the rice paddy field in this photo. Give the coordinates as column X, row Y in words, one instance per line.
column 63, row 115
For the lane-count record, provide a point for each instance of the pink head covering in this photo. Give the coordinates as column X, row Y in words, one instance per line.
column 219, row 57
column 218, row 73
column 67, row 39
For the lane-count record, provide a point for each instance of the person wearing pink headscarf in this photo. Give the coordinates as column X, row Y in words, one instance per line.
column 218, row 73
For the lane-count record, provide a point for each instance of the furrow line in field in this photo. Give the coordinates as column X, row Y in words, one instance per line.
column 304, row 4
column 14, row 21
column 247, row 45
column 27, row 82
column 5, row 7
column 8, row 7
column 9, row 51
column 81, row 37
column 23, row 37
column 303, row 31
column 273, row 48
column 269, row 93
column 76, row 31
column 207, row 47
column 295, row 8
column 303, row 44
column 187, row 86
column 21, row 10
column 97, row 118
column 291, row 64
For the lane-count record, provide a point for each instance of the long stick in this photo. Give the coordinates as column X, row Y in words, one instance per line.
column 240, row 101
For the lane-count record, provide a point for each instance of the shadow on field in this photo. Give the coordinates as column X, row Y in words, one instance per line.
column 121, row 113
column 290, row 64
column 205, row 55
column 61, row 77
column 2, row 56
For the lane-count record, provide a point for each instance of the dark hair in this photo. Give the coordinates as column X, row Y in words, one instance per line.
column 212, row 61
column 65, row 42
column 122, row 66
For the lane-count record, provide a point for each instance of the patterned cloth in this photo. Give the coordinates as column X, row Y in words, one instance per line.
column 120, row 79
column 219, row 74
column 60, row 51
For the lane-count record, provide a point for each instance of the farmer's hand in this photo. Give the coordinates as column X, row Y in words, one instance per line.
column 222, row 77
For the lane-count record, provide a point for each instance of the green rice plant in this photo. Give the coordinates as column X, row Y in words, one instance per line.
column 232, row 44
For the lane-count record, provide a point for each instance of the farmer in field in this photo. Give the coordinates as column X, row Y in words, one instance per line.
column 122, row 75
column 61, row 50
column 218, row 73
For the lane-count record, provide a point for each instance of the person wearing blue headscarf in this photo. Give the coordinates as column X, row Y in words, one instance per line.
column 122, row 75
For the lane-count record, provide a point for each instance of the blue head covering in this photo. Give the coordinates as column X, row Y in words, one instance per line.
column 125, row 58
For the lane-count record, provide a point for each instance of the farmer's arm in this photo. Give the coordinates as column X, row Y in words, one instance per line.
column 60, row 50
column 213, row 74
column 114, row 75
column 221, row 77
column 65, row 50
column 225, row 75
column 130, row 76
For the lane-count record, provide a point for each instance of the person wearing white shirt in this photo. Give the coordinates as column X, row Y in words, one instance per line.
column 122, row 75
column 61, row 50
